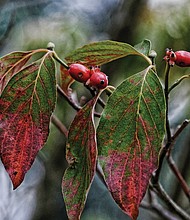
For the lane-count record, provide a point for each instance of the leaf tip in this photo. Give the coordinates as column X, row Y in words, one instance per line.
column 17, row 178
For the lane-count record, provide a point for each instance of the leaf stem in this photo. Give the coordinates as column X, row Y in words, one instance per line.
column 109, row 89
column 172, row 163
column 59, row 60
column 166, row 150
column 180, row 129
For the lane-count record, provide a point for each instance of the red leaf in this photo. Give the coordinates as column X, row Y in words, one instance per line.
column 81, row 156
column 26, row 105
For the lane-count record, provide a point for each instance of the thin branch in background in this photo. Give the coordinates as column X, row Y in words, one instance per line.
column 160, row 209
column 159, row 190
column 179, row 176
column 59, row 125
column 180, row 129
column 172, row 164
column 109, row 90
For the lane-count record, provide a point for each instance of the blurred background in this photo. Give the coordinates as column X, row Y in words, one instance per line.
column 31, row 24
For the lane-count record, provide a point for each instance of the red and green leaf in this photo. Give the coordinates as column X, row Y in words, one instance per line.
column 130, row 135
column 11, row 64
column 102, row 52
column 81, row 156
column 26, row 105
column 66, row 79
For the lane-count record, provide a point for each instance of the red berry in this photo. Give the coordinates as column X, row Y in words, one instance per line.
column 182, row 58
column 98, row 79
column 79, row 72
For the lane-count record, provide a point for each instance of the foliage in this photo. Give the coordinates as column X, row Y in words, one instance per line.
column 129, row 135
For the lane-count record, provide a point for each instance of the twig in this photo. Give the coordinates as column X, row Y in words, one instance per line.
column 154, row 205
column 164, row 150
column 172, row 164
column 181, row 128
column 59, row 125
column 179, row 176
column 71, row 102
column 68, row 98
column 100, row 101
column 159, row 190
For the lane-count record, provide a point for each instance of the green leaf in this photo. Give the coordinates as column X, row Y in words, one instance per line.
column 26, row 105
column 81, row 156
column 102, row 52
column 144, row 47
column 130, row 134
column 10, row 64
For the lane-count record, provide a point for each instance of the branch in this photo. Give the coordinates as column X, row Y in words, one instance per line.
column 68, row 98
column 100, row 101
column 164, row 150
column 72, row 102
column 172, row 164
column 159, row 190
column 59, row 125
column 160, row 209
column 179, row 176
column 181, row 128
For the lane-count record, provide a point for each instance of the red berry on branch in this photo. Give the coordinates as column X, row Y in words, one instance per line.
column 98, row 79
column 79, row 72
column 182, row 58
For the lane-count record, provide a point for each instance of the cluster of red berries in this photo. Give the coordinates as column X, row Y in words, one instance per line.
column 180, row 58
column 92, row 77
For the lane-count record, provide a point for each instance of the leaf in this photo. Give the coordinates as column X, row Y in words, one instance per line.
column 26, row 105
column 102, row 52
column 99, row 53
column 144, row 47
column 10, row 64
column 81, row 156
column 130, row 135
